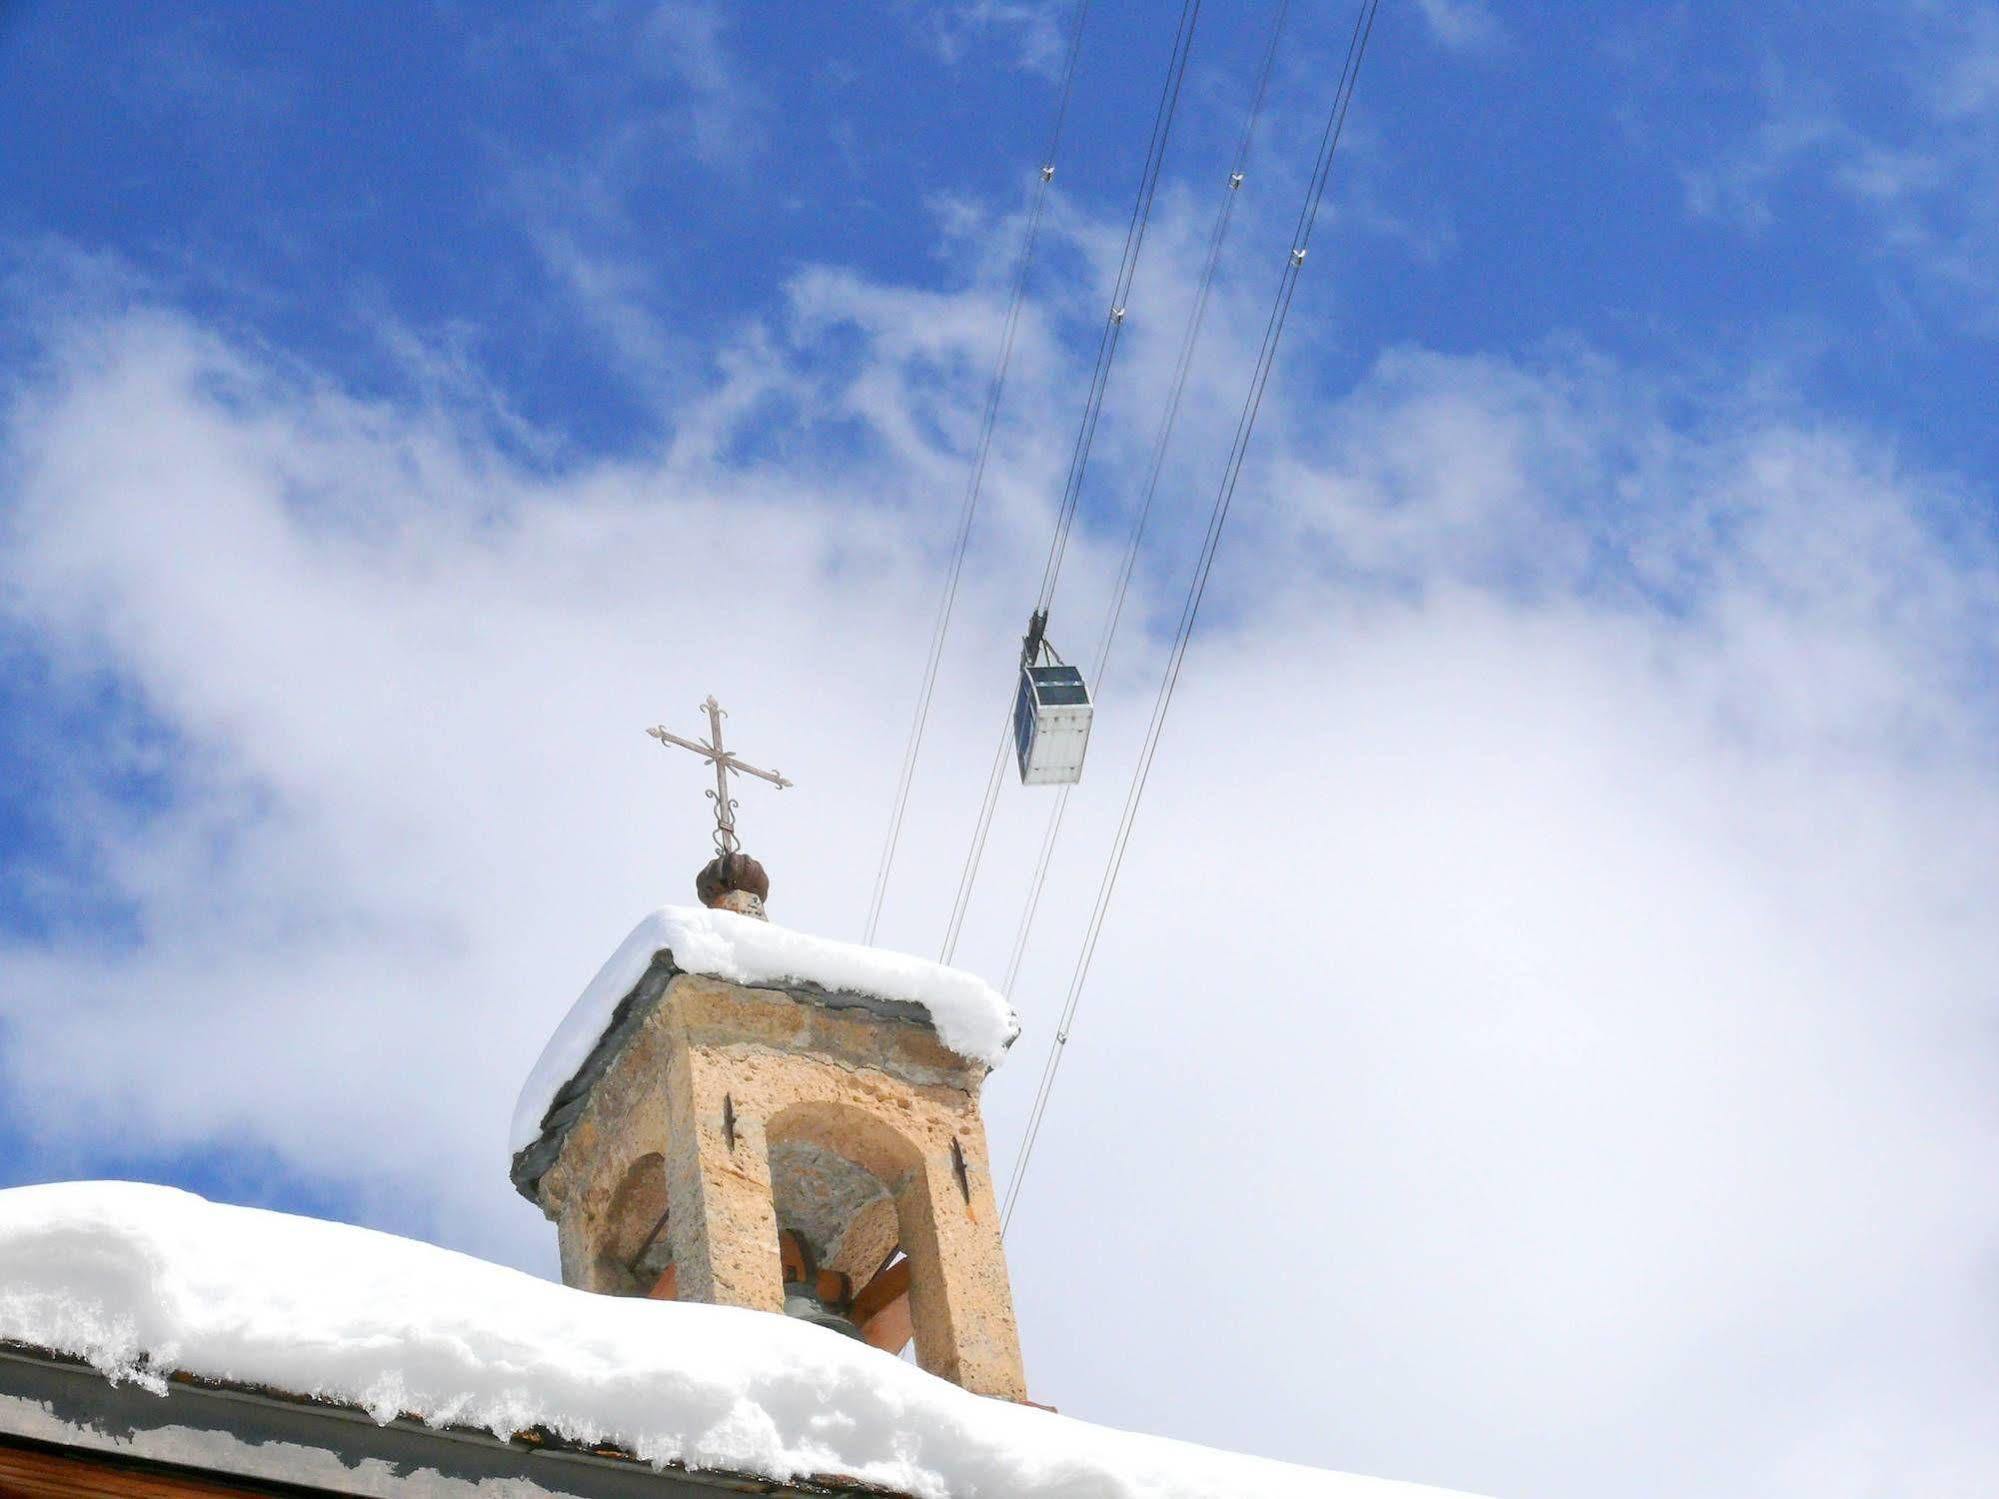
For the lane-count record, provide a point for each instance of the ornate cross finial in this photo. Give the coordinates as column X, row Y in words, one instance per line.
column 724, row 762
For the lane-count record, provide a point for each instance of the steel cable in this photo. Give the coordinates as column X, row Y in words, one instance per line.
column 1190, row 338
column 1079, row 457
column 981, row 452
column 1224, row 498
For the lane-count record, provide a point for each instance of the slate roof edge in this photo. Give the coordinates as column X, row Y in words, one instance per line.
column 218, row 1428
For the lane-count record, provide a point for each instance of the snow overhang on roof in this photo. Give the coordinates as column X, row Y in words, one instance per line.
column 166, row 1294
column 85, row 1434
column 969, row 1015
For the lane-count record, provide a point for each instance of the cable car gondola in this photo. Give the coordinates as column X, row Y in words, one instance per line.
column 1051, row 713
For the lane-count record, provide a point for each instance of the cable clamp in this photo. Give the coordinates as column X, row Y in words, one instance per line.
column 1048, row 172
column 1298, row 256
column 1235, row 181
column 1117, row 314
column 1032, row 642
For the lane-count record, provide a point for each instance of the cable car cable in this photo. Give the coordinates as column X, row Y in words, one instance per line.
column 1162, row 440
column 981, row 451
column 1224, row 499
column 1107, row 341
column 1079, row 457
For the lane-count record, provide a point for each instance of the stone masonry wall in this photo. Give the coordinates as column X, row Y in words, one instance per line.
column 719, row 1073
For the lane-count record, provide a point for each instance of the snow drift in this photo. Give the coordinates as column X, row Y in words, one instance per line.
column 143, row 1281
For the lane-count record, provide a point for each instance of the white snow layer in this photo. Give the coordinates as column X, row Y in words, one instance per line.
column 143, row 1281
column 971, row 1016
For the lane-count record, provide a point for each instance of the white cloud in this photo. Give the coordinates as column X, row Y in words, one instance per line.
column 1540, row 1042
column 1462, row 25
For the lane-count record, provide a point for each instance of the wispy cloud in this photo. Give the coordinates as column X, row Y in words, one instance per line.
column 677, row 106
column 1968, row 84
column 185, row 72
column 1032, row 32
column 1922, row 171
column 720, row 112
column 1462, row 25
column 1739, row 184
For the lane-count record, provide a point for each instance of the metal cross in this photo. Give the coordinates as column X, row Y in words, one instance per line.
column 724, row 762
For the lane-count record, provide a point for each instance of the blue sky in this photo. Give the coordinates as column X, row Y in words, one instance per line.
column 1672, row 182
column 400, row 407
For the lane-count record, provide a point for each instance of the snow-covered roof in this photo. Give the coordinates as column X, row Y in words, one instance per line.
column 971, row 1017
column 143, row 1282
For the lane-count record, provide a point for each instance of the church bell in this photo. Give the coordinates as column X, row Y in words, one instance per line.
column 811, row 1294
column 802, row 1302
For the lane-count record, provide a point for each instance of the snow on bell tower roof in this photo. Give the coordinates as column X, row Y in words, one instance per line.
column 970, row 1017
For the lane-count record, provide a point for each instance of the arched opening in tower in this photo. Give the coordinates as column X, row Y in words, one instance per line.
column 839, row 1234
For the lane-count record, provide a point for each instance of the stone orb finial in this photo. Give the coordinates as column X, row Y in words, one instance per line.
column 733, row 882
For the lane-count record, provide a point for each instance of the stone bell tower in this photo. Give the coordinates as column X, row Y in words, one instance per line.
column 768, row 1120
